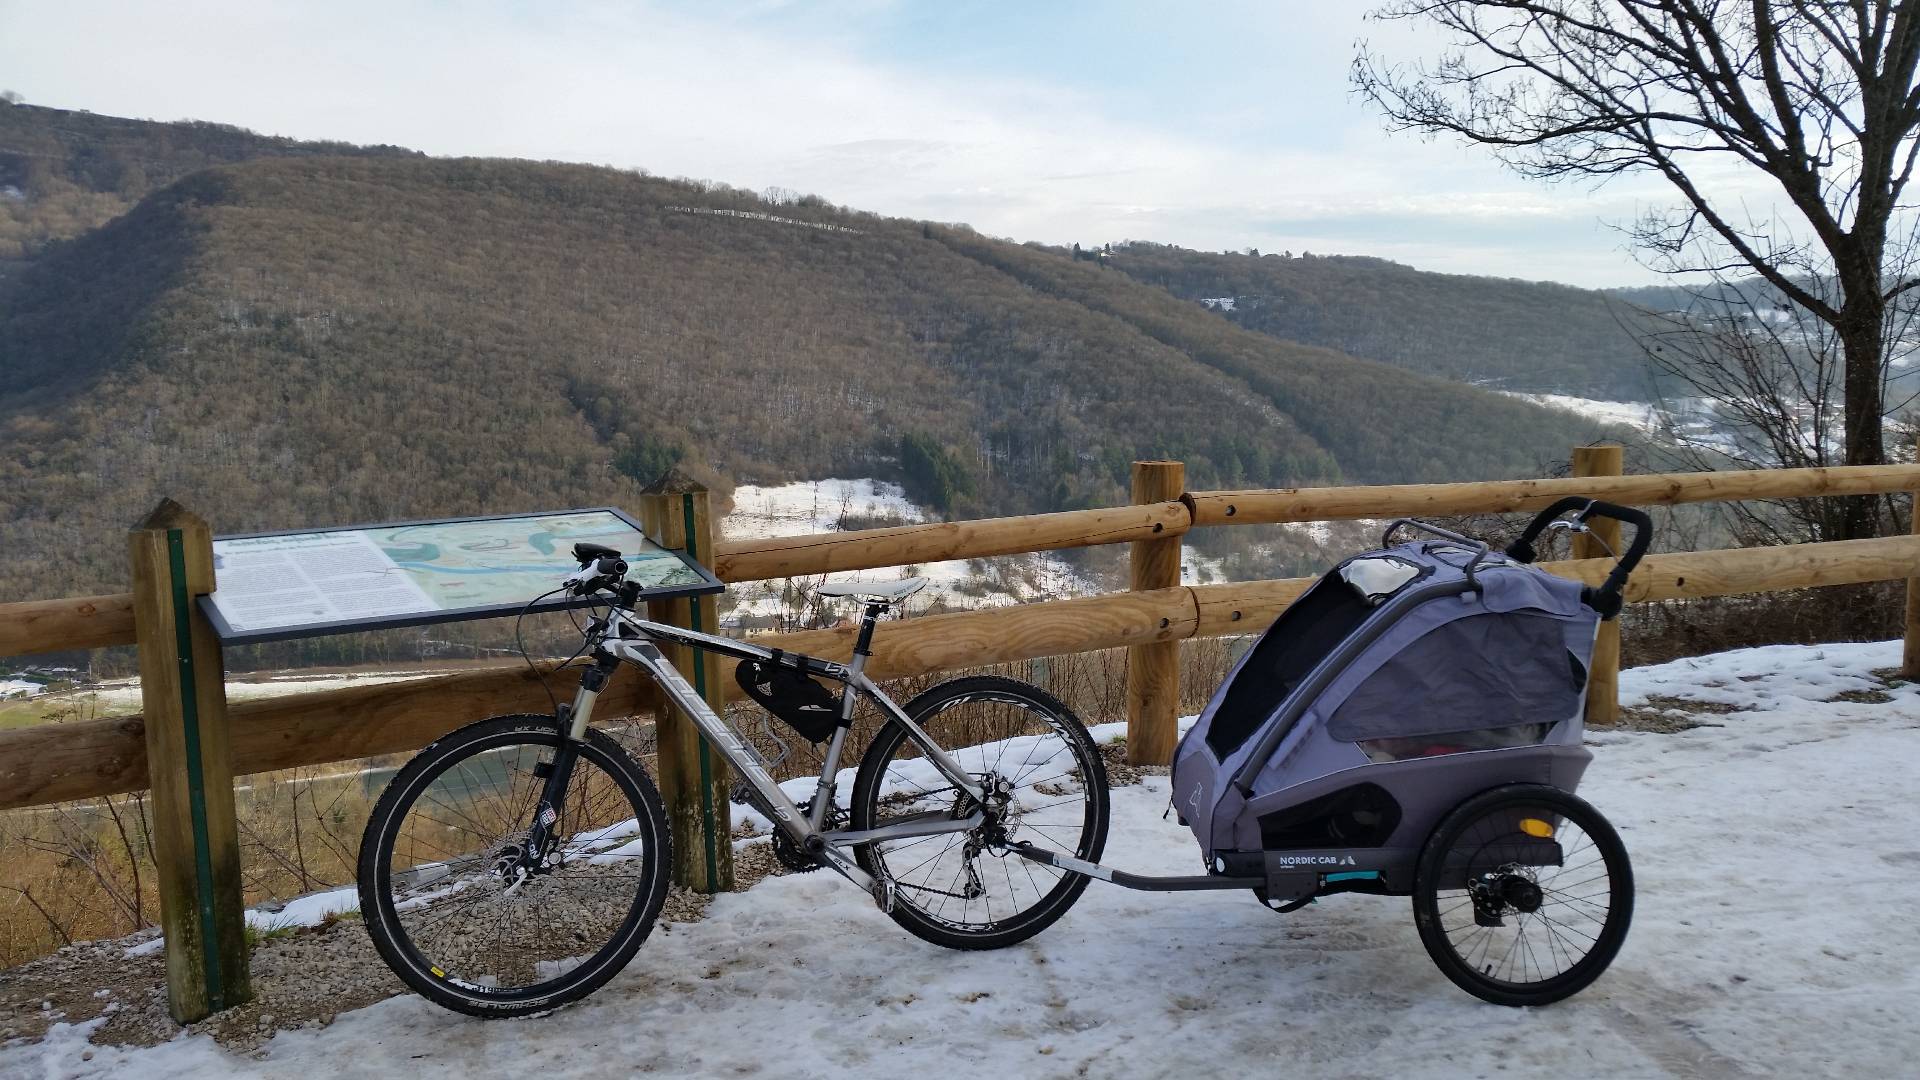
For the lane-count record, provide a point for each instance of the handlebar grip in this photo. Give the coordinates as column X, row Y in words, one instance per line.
column 607, row 570
column 1608, row 597
column 1521, row 550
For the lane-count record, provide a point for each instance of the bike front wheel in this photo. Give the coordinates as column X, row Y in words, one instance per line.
column 1045, row 784
column 464, row 916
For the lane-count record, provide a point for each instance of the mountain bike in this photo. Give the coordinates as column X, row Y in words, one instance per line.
column 518, row 863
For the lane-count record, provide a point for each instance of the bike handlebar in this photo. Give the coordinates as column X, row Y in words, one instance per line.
column 607, row 569
column 1607, row 598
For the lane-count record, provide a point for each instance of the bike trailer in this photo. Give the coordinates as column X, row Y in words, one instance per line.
column 1404, row 681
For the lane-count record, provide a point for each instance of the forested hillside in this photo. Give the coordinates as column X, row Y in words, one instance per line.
column 1509, row 335
column 62, row 172
column 321, row 340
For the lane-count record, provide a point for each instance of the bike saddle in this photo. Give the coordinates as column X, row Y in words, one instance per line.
column 879, row 592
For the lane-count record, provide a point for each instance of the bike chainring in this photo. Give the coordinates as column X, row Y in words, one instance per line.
column 790, row 854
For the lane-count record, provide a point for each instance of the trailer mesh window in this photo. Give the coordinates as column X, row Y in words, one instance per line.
column 1291, row 648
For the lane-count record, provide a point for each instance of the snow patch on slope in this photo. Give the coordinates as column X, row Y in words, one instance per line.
column 817, row 506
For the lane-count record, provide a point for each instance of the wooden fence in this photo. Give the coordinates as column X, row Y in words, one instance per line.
column 58, row 763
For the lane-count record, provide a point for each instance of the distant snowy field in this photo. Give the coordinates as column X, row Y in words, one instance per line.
column 817, row 506
column 1634, row 414
column 1777, row 856
column 117, row 696
column 1691, row 418
column 22, row 688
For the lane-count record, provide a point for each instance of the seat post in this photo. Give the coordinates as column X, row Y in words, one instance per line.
column 868, row 619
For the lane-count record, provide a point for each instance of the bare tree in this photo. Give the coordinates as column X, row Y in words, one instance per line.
column 1817, row 95
column 1769, row 373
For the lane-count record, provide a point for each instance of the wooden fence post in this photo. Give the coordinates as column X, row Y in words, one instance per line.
column 196, row 850
column 1153, row 670
column 1910, row 653
column 1603, row 675
column 676, row 513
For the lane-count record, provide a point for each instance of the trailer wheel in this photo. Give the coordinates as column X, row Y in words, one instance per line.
column 1523, row 895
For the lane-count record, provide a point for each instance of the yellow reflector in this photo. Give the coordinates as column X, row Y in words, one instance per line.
column 437, row 972
column 1533, row 826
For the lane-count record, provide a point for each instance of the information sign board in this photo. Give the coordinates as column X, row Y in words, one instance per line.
column 275, row 586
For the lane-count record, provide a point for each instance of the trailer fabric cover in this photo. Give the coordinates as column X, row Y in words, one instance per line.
column 1489, row 670
column 1527, row 644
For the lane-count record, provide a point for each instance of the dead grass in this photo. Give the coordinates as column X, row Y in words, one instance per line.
column 1671, row 630
column 1666, row 715
column 1863, row 697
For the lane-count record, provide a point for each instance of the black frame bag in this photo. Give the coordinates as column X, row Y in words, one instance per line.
column 807, row 706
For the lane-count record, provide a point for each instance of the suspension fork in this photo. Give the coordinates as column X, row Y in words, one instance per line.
column 573, row 722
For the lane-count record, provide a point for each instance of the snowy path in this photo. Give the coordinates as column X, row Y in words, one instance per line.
column 1778, row 858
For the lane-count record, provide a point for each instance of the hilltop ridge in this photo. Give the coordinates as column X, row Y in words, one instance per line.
column 323, row 339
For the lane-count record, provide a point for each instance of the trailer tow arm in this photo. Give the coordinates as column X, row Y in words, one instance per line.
column 1142, row 882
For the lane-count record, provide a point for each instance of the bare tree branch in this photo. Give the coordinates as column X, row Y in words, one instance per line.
column 1816, row 96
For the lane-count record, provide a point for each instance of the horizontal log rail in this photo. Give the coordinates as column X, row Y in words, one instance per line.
column 905, row 545
column 1277, row 506
column 87, row 622
column 51, row 763
column 64, row 762
column 93, row 622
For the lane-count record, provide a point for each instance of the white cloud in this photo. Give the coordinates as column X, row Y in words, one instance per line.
column 720, row 97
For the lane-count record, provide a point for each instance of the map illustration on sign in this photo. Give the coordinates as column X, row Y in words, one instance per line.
column 281, row 585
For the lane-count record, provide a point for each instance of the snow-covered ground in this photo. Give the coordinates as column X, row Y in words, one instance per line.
column 1777, row 855
column 20, row 688
column 1634, row 414
column 816, row 506
column 1315, row 544
column 1693, row 419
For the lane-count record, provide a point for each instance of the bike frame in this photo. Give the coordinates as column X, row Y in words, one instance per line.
column 631, row 639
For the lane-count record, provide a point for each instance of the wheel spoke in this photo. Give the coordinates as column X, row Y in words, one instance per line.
column 1004, row 739
column 492, row 913
column 1516, row 934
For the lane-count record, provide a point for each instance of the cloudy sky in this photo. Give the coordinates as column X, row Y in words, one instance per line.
column 1211, row 125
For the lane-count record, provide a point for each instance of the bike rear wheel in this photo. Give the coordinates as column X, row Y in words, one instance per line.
column 1048, row 786
column 463, row 916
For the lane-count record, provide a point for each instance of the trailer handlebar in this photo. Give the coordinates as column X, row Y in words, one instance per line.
column 1608, row 597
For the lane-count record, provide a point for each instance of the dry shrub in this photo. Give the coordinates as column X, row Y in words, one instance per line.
column 1668, row 630
column 84, row 870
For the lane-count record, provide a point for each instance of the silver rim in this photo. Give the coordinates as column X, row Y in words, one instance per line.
column 474, row 920
column 1039, row 792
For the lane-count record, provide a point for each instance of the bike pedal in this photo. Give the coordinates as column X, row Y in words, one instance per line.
column 740, row 794
column 884, row 895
